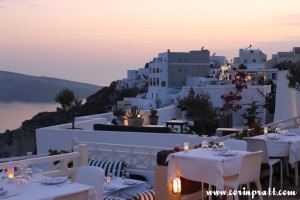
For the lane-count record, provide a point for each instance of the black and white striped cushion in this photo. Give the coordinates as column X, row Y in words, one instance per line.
column 109, row 166
column 147, row 195
column 112, row 198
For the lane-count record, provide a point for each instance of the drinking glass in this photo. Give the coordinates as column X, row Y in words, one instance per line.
column 123, row 171
column 221, row 145
column 204, row 144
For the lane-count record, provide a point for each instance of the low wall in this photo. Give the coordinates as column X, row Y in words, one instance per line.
column 61, row 139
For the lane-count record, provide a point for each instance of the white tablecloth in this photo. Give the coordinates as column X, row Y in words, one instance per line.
column 204, row 165
column 124, row 190
column 40, row 191
column 283, row 147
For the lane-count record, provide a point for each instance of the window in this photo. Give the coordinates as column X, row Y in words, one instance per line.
column 157, row 70
column 179, row 70
column 157, row 80
column 274, row 76
column 150, row 81
column 254, row 60
column 163, row 83
column 153, row 70
column 245, row 61
column 185, row 60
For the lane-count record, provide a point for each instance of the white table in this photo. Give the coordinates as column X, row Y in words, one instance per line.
column 123, row 190
column 39, row 191
column 204, row 165
column 286, row 146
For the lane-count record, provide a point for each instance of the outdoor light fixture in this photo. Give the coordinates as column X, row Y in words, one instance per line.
column 176, row 186
column 185, row 146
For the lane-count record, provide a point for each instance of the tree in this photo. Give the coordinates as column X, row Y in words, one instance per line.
column 66, row 98
column 200, row 109
column 293, row 75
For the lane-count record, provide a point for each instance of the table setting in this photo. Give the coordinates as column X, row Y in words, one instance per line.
column 123, row 187
column 25, row 185
column 215, row 160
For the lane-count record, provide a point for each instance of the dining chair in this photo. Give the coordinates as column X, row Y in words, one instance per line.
column 249, row 172
column 78, row 195
column 254, row 144
column 93, row 176
column 234, row 144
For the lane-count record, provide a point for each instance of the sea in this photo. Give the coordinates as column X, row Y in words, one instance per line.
column 12, row 114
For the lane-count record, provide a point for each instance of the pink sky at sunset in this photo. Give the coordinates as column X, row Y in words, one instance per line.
column 96, row 41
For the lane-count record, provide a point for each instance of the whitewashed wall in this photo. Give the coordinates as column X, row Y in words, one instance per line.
column 248, row 95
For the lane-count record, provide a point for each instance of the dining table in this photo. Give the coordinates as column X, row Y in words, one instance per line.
column 40, row 187
column 284, row 145
column 124, row 187
column 205, row 165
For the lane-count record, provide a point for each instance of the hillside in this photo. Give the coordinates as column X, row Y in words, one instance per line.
column 25, row 88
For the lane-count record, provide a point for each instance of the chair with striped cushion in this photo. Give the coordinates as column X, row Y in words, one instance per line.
column 113, row 198
column 109, row 167
column 147, row 195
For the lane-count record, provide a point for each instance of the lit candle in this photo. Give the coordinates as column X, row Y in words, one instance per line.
column 10, row 174
column 185, row 146
column 265, row 130
column 108, row 179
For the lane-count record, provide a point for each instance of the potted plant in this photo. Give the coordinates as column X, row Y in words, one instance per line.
column 135, row 116
column 251, row 114
column 200, row 109
column 153, row 117
column 120, row 113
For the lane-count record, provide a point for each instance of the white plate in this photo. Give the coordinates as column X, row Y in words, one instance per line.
column 291, row 134
column 109, row 187
column 221, row 149
column 228, row 153
column 274, row 137
column 130, row 182
column 53, row 181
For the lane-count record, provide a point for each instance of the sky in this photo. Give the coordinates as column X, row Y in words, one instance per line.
column 97, row 41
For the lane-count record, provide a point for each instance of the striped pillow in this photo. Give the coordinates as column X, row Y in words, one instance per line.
column 112, row 198
column 109, row 167
column 147, row 195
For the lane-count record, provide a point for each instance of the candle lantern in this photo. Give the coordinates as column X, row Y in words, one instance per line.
column 10, row 174
column 176, row 186
column 185, row 146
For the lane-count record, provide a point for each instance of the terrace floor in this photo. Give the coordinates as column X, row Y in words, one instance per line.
column 288, row 185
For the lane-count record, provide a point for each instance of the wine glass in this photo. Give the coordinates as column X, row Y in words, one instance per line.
column 204, row 144
column 221, row 145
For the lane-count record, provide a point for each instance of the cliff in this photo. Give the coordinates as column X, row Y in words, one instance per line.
column 25, row 88
column 18, row 142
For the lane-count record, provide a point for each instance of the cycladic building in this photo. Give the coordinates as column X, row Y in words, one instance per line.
column 169, row 71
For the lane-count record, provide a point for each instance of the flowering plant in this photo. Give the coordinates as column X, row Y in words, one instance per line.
column 255, row 130
column 231, row 100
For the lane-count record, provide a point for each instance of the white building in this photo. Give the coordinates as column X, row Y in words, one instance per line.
column 135, row 79
column 168, row 73
column 292, row 56
column 252, row 58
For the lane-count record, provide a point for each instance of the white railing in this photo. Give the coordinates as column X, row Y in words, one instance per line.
column 293, row 122
column 79, row 157
column 28, row 155
column 136, row 157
